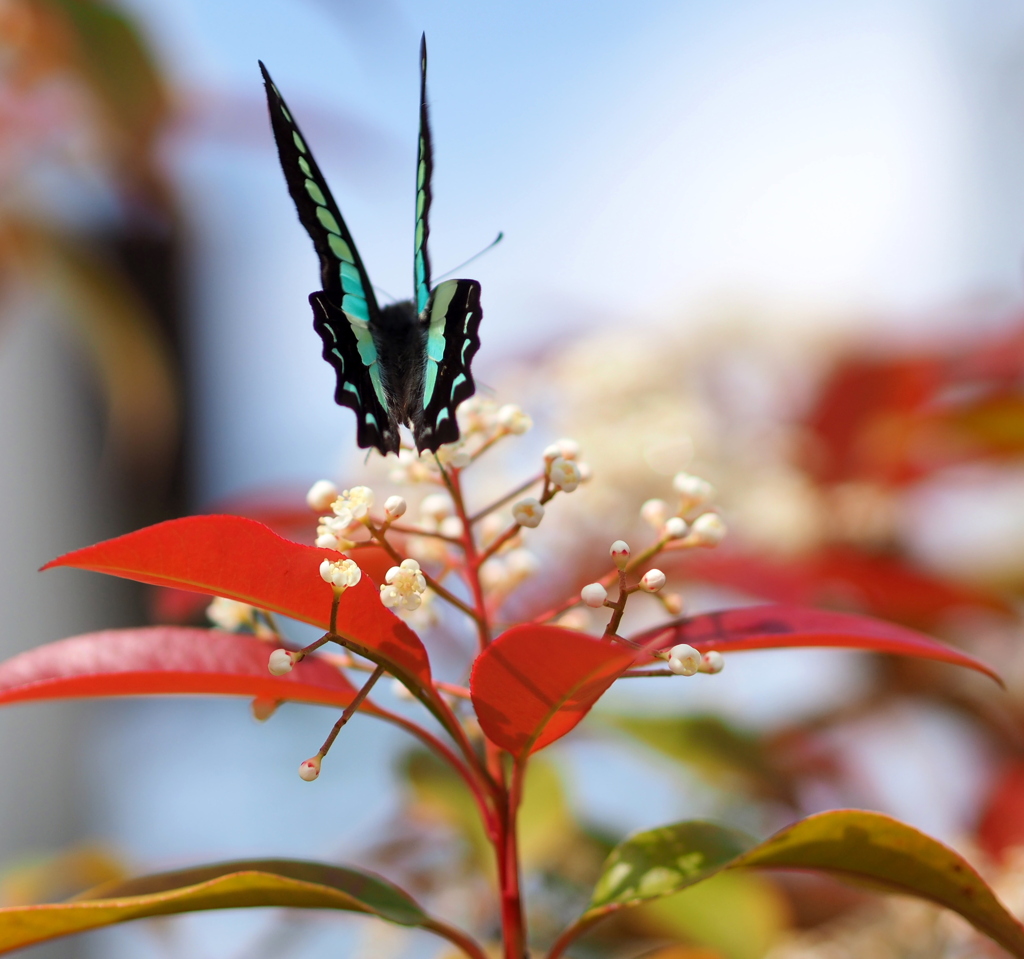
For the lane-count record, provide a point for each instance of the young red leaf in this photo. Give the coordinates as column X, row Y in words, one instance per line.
column 241, row 559
column 777, row 627
column 533, row 684
column 166, row 659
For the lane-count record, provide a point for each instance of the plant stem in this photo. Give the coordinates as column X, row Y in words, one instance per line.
column 455, row 936
column 498, row 503
column 350, row 709
column 513, row 920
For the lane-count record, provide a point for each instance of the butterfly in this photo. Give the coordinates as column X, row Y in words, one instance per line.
column 406, row 363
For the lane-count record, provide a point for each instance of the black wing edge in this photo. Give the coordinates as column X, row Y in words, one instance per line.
column 424, row 154
column 283, row 124
column 348, row 366
column 462, row 325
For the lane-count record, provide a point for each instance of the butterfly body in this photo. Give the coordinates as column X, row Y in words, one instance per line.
column 403, row 364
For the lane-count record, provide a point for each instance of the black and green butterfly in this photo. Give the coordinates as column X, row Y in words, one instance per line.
column 407, row 363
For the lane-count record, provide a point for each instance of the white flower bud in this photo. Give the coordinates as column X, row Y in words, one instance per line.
column 320, row 496
column 510, row 417
column 399, row 690
column 594, row 594
column 564, row 474
column 436, row 506
column 568, row 449
column 310, row 769
column 684, row 660
column 395, row 506
column 712, row 662
column 707, row 530
column 675, row 527
column 327, row 571
column 229, row 614
column 654, row 512
column 673, row 603
column 528, row 512
column 521, row 564
column 578, row 619
column 281, row 662
column 692, row 490
column 451, row 526
column 327, row 541
column 652, row 581
column 619, row 553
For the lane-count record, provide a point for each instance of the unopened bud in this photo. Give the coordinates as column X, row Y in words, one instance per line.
column 675, row 527
column 528, row 512
column 399, row 690
column 672, row 602
column 594, row 594
column 620, row 553
column 707, row 530
column 712, row 662
column 684, row 660
column 321, row 494
column 652, row 581
column 281, row 662
column 654, row 512
column 309, row 769
column 436, row 506
column 693, row 490
column 395, row 506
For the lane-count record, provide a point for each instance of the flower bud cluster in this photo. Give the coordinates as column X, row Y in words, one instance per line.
column 341, row 573
column 404, row 586
column 351, row 507
column 505, row 572
column 684, row 660
column 707, row 529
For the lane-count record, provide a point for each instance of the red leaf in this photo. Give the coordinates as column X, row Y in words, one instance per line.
column 884, row 586
column 533, row 684
column 241, row 559
column 165, row 659
column 777, row 627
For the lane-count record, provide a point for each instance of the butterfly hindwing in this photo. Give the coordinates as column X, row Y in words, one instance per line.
column 359, row 385
column 424, row 170
column 452, row 320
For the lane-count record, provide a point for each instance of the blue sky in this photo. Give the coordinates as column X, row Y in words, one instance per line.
column 644, row 160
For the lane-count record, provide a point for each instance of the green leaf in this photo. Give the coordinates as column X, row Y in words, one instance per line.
column 230, row 885
column 662, row 861
column 850, row 844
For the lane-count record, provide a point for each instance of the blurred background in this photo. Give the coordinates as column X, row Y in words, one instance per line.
column 778, row 243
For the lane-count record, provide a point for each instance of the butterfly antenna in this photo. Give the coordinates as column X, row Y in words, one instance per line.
column 393, row 299
column 490, row 246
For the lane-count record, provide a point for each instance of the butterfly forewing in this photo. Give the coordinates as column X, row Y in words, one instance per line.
column 452, row 319
column 345, row 312
column 424, row 170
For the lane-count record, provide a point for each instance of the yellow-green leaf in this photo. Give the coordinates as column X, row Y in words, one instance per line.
column 231, row 885
column 863, row 846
